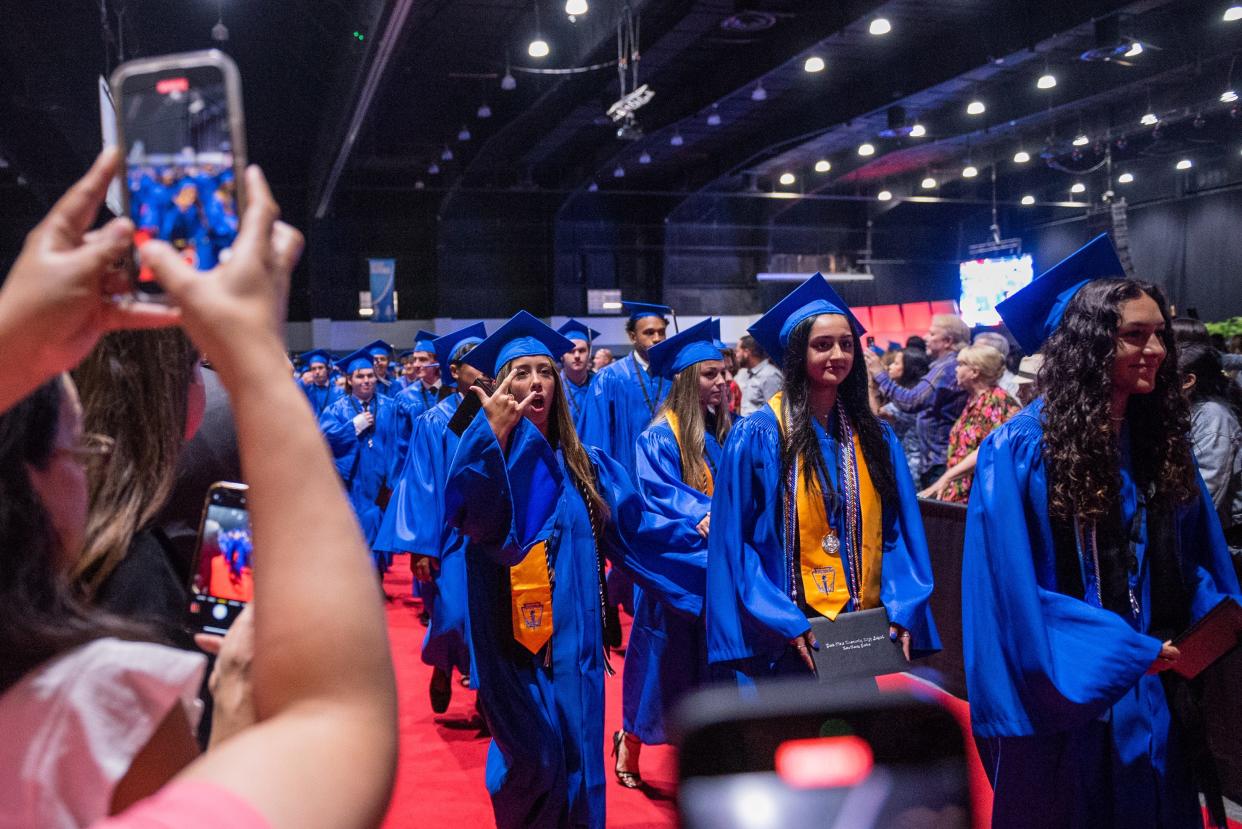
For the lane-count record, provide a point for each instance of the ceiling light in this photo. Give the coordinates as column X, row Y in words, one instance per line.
column 1125, row 178
column 788, row 179
column 447, row 155
column 1135, row 50
column 814, row 64
column 823, row 165
column 619, row 172
column 1081, row 140
column 508, row 83
column 575, row 8
column 970, row 171
column 759, row 93
column 918, row 131
column 1232, row 13
column 1228, row 96
column 419, row 185
column 1185, row 164
column 866, row 149
column 976, row 107
column 713, row 117
column 677, row 140
column 1028, row 200
column 538, row 48
column 929, row 183
column 1078, row 187
column 593, row 187
column 645, row 158
column 485, row 111
column 881, row 26
column 884, row 195
column 1021, row 157
column 464, row 135
column 1149, row 120
column 1046, row 81
column 433, row 169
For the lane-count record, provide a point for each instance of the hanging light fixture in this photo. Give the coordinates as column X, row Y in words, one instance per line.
column 1184, row 164
column 618, row 172
column 1046, row 80
column 813, row 64
column 645, row 158
column 823, row 165
column 1028, row 200
column 1078, row 187
column 575, row 9
column 759, row 93
column 918, row 130
column 976, row 107
column 485, row 111
column 970, row 170
column 885, row 195
column 880, row 26
column 1232, row 13
column 1081, row 140
column 447, row 154
column 677, row 140
column 433, row 169
column 866, row 149
column 928, row 183
column 713, row 117
column 538, row 47
column 1021, row 157
column 788, row 179
column 464, row 134
column 1125, row 178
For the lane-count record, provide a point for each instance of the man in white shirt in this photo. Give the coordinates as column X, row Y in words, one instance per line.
column 757, row 378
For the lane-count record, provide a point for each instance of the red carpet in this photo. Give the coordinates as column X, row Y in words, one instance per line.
column 440, row 775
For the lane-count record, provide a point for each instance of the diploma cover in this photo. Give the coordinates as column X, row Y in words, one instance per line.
column 856, row 644
column 1209, row 639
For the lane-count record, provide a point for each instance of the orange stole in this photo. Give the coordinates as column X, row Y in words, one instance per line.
column 531, row 598
column 710, row 487
column 823, row 574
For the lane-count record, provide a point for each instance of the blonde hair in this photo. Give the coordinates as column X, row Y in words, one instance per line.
column 684, row 401
column 985, row 359
column 955, row 327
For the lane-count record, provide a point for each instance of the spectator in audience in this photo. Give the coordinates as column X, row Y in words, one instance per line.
column 1008, row 380
column 603, row 357
column 758, row 379
column 979, row 368
column 1215, row 433
column 733, row 392
column 1235, row 344
column 82, row 703
column 936, row 400
column 915, row 341
column 906, row 366
column 143, row 391
column 1028, row 376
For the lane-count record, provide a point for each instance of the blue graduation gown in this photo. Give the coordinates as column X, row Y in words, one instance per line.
column 411, row 402
column 1059, row 696
column 621, row 402
column 667, row 653
column 321, row 397
column 750, row 615
column 415, row 522
column 577, row 397
column 362, row 460
column 545, row 766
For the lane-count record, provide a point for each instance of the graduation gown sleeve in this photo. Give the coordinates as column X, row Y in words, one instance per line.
column 1037, row 661
column 748, row 609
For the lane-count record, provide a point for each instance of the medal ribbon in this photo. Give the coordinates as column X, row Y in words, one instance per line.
column 530, row 592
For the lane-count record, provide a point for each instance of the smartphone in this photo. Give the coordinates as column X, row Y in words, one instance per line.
column 470, row 406
column 222, row 581
column 800, row 754
column 180, row 126
column 870, row 342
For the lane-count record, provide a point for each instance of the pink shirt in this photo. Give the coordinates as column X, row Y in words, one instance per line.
column 189, row 804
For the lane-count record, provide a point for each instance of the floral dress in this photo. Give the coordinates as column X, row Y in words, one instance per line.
column 982, row 414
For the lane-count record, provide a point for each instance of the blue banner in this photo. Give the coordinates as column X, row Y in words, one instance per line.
column 383, row 283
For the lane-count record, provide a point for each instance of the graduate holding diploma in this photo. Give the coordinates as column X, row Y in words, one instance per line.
column 1091, row 541
column 814, row 512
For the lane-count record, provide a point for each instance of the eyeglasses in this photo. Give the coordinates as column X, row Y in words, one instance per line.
column 92, row 448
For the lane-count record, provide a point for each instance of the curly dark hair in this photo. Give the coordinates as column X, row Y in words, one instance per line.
column 852, row 395
column 1080, row 446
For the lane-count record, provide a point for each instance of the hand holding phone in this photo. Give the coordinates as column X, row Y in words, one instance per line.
column 222, row 582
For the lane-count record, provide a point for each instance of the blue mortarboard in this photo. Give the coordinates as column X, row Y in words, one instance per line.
column 424, row 340
column 401, row 355
column 575, row 330
column 317, row 355
column 894, row 346
column 694, row 345
column 446, row 345
column 1034, row 312
column 352, row 362
column 721, row 344
column 378, row 348
column 638, row 310
column 522, row 336
column 810, row 299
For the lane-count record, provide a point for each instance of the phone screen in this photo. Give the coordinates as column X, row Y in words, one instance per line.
column 223, row 581
column 180, row 174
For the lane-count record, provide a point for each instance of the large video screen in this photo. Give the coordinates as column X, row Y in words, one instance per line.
column 986, row 282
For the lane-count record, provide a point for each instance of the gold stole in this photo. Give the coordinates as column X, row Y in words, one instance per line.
column 531, row 598
column 673, row 423
column 823, row 576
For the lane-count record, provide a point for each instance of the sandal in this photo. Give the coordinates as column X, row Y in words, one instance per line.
column 628, row 779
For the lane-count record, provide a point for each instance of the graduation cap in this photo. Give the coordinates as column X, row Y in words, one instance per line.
column 638, row 310
column 575, row 330
column 450, row 342
column 720, row 343
column 810, row 299
column 694, row 345
column 360, row 359
column 317, row 355
column 424, row 340
column 522, row 336
column 1034, row 312
column 378, row 348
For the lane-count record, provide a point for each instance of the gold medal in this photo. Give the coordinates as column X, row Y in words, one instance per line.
column 830, row 543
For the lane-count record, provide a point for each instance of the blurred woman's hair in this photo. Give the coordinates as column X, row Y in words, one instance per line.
column 914, row 366
column 986, row 360
column 1189, row 330
column 135, row 389
column 685, row 402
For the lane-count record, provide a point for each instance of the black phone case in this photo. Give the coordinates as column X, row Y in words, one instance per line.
column 470, row 406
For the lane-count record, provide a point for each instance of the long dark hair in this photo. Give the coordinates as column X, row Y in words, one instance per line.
column 39, row 615
column 800, row 439
column 914, row 366
column 1080, row 446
